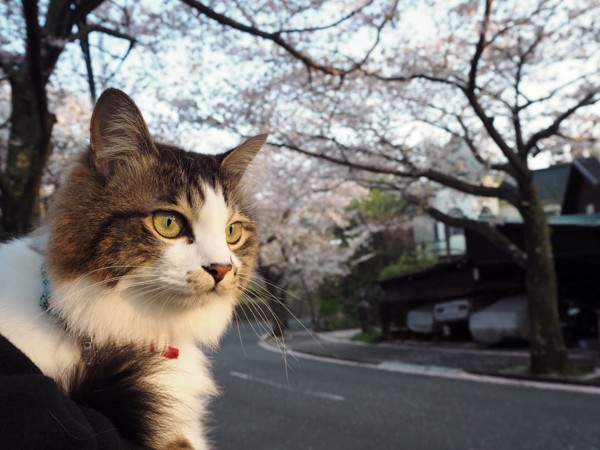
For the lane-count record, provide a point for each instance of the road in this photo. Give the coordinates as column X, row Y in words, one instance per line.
column 317, row 405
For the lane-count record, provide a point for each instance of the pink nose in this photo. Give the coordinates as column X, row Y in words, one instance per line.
column 218, row 271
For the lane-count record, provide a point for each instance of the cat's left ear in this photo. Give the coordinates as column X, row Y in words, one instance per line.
column 236, row 161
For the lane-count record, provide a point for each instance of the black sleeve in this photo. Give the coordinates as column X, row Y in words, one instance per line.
column 35, row 414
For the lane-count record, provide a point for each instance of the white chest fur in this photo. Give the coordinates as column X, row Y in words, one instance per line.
column 22, row 321
column 186, row 379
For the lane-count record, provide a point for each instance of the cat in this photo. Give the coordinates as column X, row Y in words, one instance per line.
column 144, row 256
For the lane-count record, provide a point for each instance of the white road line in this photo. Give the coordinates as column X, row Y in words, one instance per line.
column 440, row 372
column 285, row 387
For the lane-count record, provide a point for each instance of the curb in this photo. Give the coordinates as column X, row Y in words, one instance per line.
column 433, row 371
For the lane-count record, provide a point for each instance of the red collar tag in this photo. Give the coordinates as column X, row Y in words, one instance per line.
column 169, row 352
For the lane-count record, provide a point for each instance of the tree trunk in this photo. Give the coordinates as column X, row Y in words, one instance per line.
column 28, row 151
column 548, row 351
column 309, row 298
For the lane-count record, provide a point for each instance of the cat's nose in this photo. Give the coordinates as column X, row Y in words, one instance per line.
column 218, row 271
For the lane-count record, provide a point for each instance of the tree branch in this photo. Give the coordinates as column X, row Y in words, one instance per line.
column 519, row 164
column 553, row 92
column 273, row 37
column 482, row 227
column 502, row 192
column 551, row 130
column 87, row 56
column 330, row 25
column 88, row 29
column 481, row 44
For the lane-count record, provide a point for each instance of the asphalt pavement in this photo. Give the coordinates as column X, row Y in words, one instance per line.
column 293, row 401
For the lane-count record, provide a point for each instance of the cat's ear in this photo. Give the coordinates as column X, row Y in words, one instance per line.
column 118, row 132
column 236, row 161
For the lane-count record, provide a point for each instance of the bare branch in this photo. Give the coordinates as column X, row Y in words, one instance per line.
column 487, row 229
column 589, row 99
column 514, row 160
column 416, row 76
column 97, row 28
column 481, row 44
column 87, row 56
column 388, row 17
column 328, row 26
column 556, row 90
column 484, row 228
column 85, row 7
column 503, row 192
column 345, row 149
column 468, row 139
column 276, row 38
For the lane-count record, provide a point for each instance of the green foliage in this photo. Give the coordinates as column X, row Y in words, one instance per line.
column 337, row 310
column 372, row 337
column 379, row 205
column 339, row 296
column 419, row 259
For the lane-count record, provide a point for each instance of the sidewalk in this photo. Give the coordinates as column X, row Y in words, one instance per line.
column 441, row 357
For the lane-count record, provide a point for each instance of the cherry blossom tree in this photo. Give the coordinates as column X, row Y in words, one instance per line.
column 378, row 86
column 299, row 207
column 33, row 39
column 383, row 86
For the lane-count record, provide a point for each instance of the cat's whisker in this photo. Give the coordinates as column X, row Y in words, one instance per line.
column 250, row 323
column 279, row 342
column 261, row 290
column 258, row 313
column 276, row 299
column 237, row 320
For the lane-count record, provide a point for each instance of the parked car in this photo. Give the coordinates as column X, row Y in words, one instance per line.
column 507, row 318
column 452, row 311
column 420, row 319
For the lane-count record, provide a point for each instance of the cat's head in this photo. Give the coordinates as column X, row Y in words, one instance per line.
column 167, row 225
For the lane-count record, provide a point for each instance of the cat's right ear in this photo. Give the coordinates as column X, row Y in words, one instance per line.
column 118, row 132
column 236, row 161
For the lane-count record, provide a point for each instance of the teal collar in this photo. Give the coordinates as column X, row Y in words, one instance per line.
column 45, row 297
column 87, row 347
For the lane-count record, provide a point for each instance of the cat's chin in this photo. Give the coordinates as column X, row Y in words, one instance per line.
column 191, row 300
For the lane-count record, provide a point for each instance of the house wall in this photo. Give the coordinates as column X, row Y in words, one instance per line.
column 442, row 240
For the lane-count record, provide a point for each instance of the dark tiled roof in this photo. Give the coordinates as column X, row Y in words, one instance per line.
column 552, row 182
column 589, row 168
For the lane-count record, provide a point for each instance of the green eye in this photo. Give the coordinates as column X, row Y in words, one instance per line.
column 233, row 233
column 168, row 224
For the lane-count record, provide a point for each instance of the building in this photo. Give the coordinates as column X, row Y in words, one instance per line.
column 447, row 298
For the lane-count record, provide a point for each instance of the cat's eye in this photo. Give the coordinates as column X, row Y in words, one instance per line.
column 233, row 233
column 168, row 224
